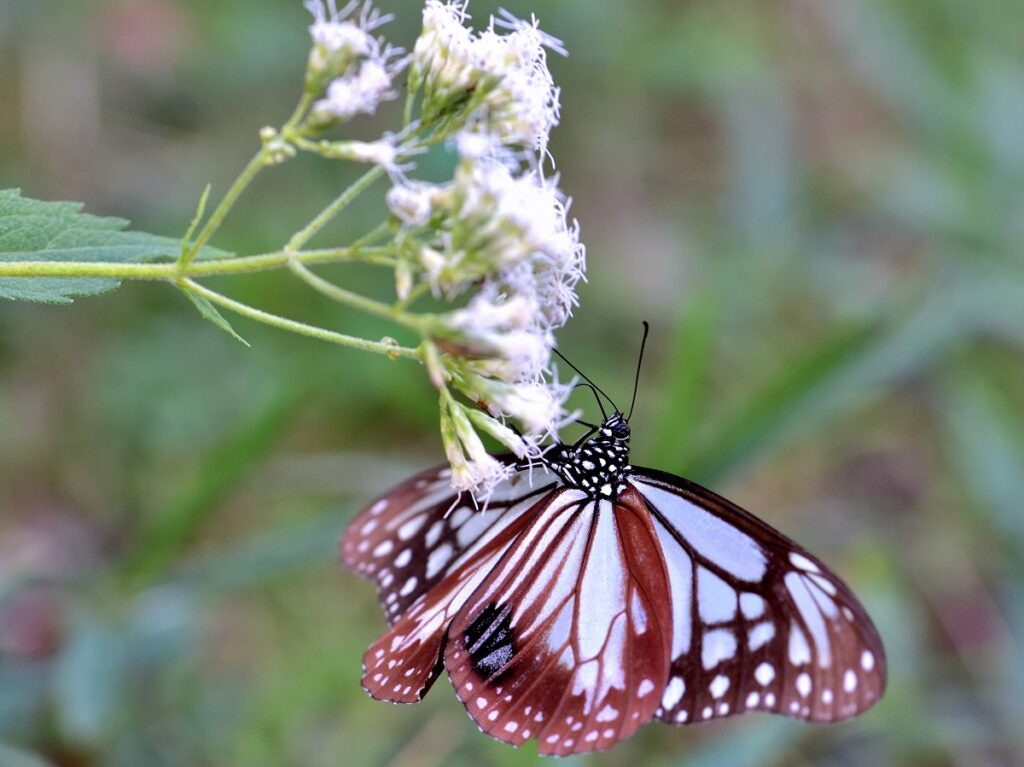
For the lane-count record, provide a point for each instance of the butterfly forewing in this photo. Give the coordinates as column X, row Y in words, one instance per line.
column 758, row 623
column 566, row 641
column 410, row 538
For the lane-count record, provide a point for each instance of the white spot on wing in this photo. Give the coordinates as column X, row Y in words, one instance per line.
column 680, row 575
column 601, row 591
column 764, row 674
column 673, row 693
column 803, row 684
column 715, row 597
column 799, row 560
column 438, row 558
column 761, row 634
column 638, row 613
column 460, row 516
column 409, row 529
column 752, row 606
column 799, row 650
column 825, row 584
column 719, row 645
column 434, row 533
column 719, row 686
column 717, row 540
column 812, row 618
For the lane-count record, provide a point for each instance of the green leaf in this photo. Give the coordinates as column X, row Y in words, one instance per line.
column 33, row 230
column 209, row 311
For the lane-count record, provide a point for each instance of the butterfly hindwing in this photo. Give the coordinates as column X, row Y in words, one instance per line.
column 566, row 640
column 758, row 623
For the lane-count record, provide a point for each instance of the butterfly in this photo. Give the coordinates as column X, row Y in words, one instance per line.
column 592, row 596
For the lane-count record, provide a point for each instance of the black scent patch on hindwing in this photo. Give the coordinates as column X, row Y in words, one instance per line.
column 489, row 640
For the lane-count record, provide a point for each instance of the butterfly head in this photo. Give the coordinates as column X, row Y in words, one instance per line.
column 616, row 428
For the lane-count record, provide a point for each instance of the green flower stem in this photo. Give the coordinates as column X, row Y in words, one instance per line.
column 381, row 256
column 340, row 203
column 300, row 112
column 377, row 232
column 391, row 350
column 356, row 301
column 256, row 164
column 290, row 131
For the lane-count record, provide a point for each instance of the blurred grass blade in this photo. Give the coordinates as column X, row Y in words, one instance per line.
column 799, row 394
column 684, row 387
column 854, row 364
column 223, row 468
column 986, row 441
column 893, row 61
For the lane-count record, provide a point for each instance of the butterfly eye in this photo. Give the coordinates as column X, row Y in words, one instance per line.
column 620, row 430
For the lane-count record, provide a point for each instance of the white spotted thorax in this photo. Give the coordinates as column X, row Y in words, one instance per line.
column 598, row 466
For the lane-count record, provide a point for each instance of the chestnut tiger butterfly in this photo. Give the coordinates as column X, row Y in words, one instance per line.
column 592, row 596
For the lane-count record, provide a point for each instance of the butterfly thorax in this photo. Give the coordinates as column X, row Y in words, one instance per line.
column 599, row 465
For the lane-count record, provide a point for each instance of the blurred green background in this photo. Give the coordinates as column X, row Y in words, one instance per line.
column 819, row 207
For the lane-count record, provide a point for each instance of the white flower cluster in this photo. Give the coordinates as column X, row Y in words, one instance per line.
column 506, row 234
column 505, row 73
column 355, row 68
column 499, row 228
column 496, row 236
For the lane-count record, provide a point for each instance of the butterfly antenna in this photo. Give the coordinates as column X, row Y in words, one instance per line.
column 639, row 362
column 585, row 378
column 596, row 396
